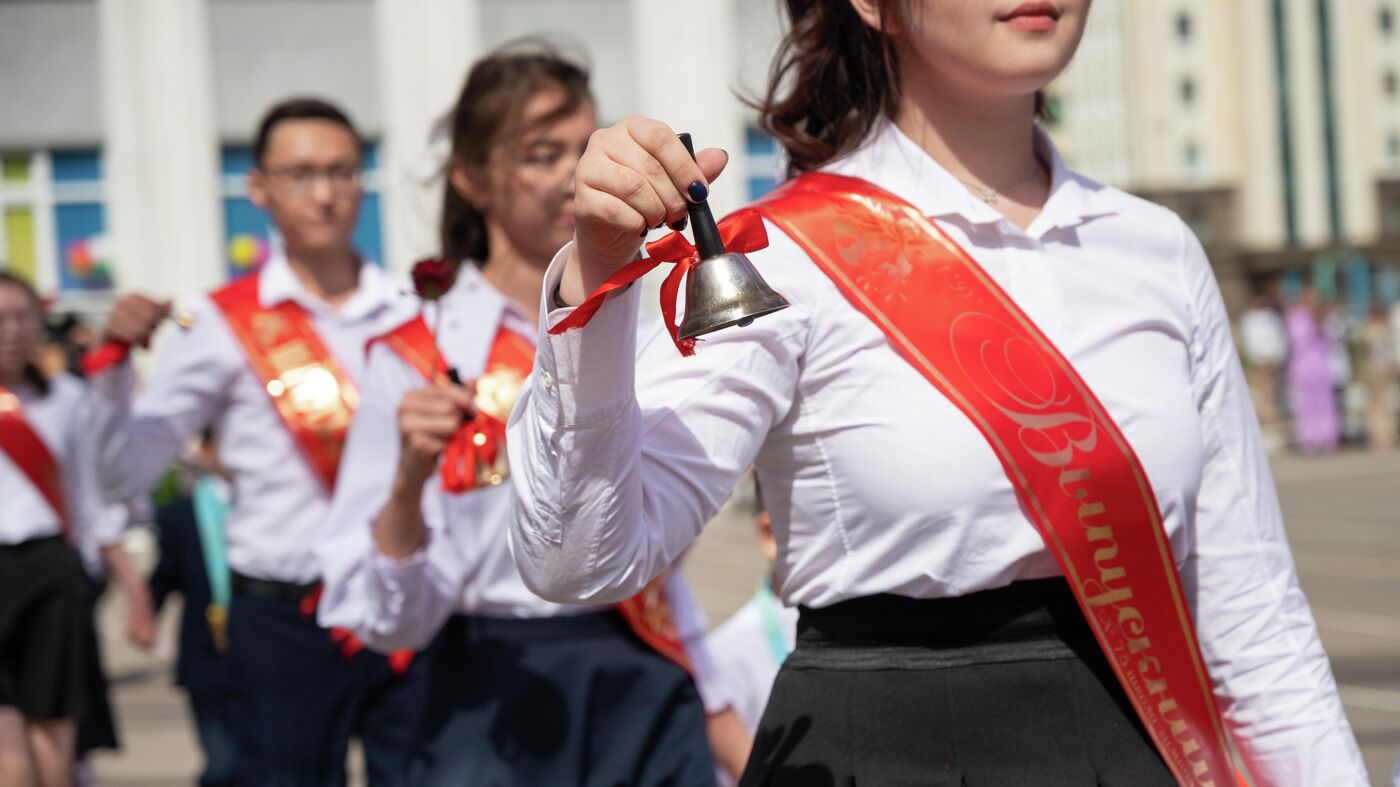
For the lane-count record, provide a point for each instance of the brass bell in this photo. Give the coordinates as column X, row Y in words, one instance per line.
column 723, row 288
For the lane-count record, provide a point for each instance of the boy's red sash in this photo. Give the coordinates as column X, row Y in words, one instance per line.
column 476, row 455
column 26, row 449
column 309, row 387
column 1077, row 477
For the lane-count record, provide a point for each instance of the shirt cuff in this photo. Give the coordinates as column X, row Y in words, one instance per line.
column 395, row 573
column 587, row 374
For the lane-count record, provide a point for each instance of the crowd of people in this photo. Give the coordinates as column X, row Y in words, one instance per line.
column 449, row 520
column 1320, row 377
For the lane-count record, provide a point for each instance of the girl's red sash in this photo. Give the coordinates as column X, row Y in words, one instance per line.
column 26, row 449
column 1077, row 477
column 509, row 362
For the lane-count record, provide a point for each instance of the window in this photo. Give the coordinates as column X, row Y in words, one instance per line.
column 766, row 163
column 1390, row 83
column 1054, row 109
column 1197, row 217
column 248, row 231
column 54, row 220
column 1191, row 157
column 1392, row 148
column 1183, row 27
column 1187, row 89
column 1385, row 20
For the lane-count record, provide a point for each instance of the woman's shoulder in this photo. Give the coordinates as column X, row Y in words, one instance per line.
column 1151, row 225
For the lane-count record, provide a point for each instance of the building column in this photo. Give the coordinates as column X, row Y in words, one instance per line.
column 425, row 47
column 687, row 68
column 686, row 71
column 161, row 149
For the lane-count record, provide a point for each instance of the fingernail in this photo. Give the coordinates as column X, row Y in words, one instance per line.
column 697, row 191
column 660, row 224
column 679, row 224
column 645, row 230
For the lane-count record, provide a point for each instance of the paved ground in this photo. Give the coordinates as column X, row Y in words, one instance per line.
column 1344, row 521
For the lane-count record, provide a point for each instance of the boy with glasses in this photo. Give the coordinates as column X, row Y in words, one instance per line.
column 270, row 362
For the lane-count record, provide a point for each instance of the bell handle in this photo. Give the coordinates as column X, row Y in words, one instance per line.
column 702, row 221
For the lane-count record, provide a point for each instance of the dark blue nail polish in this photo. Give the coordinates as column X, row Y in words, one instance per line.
column 697, row 191
column 645, row 230
column 679, row 224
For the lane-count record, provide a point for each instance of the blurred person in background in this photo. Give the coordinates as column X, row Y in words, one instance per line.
column 1264, row 347
column 53, row 512
column 1380, row 372
column 524, row 691
column 1312, row 353
column 271, row 363
column 193, row 562
column 753, row 643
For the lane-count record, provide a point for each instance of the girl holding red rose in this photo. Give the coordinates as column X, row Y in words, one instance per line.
column 525, row 691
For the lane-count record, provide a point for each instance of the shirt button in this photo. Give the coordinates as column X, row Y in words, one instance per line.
column 548, row 380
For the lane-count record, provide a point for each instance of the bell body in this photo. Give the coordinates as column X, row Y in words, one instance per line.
column 725, row 290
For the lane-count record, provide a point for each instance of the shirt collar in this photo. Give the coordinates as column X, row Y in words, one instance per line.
column 890, row 159
column 277, row 284
column 472, row 294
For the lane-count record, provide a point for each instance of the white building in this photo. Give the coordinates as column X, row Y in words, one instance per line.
column 125, row 125
column 1272, row 126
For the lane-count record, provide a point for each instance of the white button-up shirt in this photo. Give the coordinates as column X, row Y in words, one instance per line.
column 465, row 566
column 877, row 484
column 203, row 379
column 57, row 418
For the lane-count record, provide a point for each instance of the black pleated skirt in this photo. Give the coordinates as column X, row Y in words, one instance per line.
column 1003, row 687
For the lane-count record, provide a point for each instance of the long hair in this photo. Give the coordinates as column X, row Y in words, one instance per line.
column 32, row 374
column 834, row 77
column 488, row 112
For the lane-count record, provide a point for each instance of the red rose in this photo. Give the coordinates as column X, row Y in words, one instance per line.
column 433, row 277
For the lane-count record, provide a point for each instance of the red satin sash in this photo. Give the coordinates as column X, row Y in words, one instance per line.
column 1077, row 477
column 311, row 390
column 27, row 450
column 477, row 455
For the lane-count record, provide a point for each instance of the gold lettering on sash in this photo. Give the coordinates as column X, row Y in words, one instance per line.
column 1054, row 435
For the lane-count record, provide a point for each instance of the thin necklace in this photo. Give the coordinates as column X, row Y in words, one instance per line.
column 988, row 194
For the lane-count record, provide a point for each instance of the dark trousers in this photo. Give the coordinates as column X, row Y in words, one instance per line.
column 300, row 700
column 995, row 689
column 214, row 717
column 574, row 700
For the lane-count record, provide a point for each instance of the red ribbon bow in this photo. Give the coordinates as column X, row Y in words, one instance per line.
column 468, row 451
column 742, row 232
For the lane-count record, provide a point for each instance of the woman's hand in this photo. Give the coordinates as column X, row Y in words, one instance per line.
column 428, row 418
column 633, row 177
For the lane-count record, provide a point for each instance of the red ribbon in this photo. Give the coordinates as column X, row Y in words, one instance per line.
column 460, row 459
column 104, row 357
column 742, row 232
column 349, row 644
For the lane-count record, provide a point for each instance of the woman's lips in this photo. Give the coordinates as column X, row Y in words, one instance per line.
column 1032, row 17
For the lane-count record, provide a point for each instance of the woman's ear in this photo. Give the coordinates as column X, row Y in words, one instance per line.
column 869, row 12
column 469, row 183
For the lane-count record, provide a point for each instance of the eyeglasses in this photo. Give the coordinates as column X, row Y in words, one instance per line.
column 300, row 180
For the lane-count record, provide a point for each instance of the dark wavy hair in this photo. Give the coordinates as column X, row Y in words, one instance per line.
column 833, row 79
column 32, row 373
column 300, row 108
column 487, row 113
